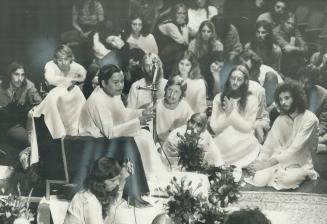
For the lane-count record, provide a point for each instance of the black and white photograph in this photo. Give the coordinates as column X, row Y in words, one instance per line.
column 163, row 111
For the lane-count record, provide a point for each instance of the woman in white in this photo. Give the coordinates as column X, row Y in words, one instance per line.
column 103, row 189
column 172, row 111
column 138, row 38
column 233, row 118
column 188, row 68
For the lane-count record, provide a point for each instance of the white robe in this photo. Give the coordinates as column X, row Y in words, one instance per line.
column 290, row 142
column 235, row 134
column 196, row 95
column 168, row 120
column 140, row 97
column 106, row 116
column 211, row 155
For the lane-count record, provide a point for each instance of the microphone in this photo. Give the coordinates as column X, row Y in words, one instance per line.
column 147, row 88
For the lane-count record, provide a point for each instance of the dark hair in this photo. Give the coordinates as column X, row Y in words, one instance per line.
column 256, row 60
column 136, row 54
column 222, row 26
column 193, row 5
column 179, row 81
column 244, row 88
column 297, row 93
column 106, row 72
column 247, row 216
column 12, row 68
column 309, row 71
column 103, row 169
column 145, row 29
column 269, row 39
column 195, row 67
column 174, row 10
column 107, row 28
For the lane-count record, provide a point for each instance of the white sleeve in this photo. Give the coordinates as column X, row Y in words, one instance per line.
column 53, row 79
column 218, row 121
column 93, row 212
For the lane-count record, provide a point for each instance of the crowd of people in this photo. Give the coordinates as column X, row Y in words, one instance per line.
column 259, row 103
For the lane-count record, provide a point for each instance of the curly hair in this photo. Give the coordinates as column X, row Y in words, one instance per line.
column 103, row 169
column 309, row 71
column 195, row 67
column 297, row 93
column 244, row 88
column 247, row 216
column 10, row 70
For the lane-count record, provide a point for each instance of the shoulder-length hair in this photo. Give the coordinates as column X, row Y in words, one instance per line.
column 103, row 169
column 201, row 47
column 244, row 88
column 297, row 93
column 269, row 39
column 195, row 66
column 175, row 8
column 11, row 69
column 145, row 29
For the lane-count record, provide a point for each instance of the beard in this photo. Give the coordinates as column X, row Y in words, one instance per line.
column 289, row 111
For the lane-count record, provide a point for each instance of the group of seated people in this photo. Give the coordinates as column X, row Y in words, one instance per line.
column 254, row 106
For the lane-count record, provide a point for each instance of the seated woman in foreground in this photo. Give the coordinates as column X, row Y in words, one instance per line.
column 103, row 189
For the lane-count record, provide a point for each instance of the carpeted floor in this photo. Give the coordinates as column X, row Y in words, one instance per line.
column 300, row 208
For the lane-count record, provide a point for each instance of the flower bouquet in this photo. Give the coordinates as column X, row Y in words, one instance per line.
column 15, row 209
column 224, row 189
column 190, row 152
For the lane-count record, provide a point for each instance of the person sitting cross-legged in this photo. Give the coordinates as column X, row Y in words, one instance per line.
column 285, row 160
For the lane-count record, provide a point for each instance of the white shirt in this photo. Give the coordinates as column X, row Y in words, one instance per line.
column 54, row 76
column 147, row 43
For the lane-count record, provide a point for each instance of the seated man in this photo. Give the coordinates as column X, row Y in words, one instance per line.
column 17, row 96
column 104, row 115
column 234, row 113
column 275, row 16
column 285, row 159
column 63, row 70
column 317, row 101
column 139, row 97
column 197, row 123
column 172, row 111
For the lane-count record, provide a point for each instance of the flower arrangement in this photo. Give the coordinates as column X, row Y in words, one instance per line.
column 191, row 154
column 224, row 189
column 186, row 206
column 13, row 208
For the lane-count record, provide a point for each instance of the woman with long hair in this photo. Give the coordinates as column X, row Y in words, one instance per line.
column 188, row 68
column 233, row 117
column 207, row 49
column 103, row 188
column 138, row 36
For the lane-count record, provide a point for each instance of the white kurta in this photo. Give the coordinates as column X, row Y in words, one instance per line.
column 212, row 155
column 290, row 142
column 235, row 133
column 168, row 120
column 106, row 116
column 196, row 95
column 140, row 97
column 54, row 76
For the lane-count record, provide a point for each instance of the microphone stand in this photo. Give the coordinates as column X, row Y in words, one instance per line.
column 154, row 88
